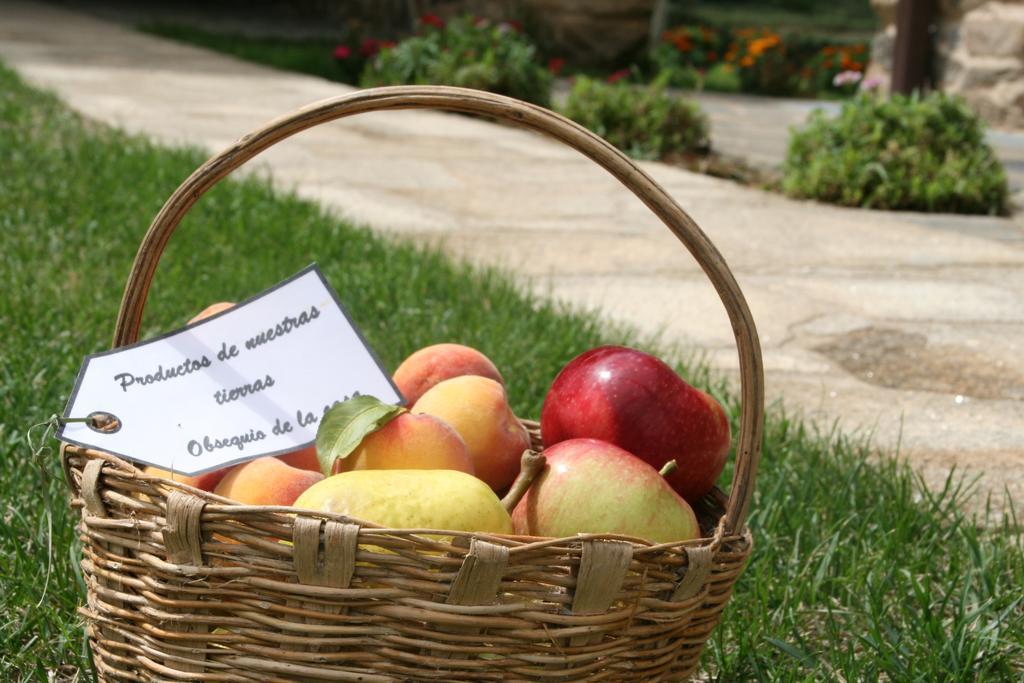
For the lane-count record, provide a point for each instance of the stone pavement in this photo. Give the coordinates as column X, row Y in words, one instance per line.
column 752, row 128
column 905, row 325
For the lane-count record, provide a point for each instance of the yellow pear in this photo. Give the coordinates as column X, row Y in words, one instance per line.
column 411, row 499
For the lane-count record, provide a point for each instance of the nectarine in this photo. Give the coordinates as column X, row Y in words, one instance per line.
column 304, row 459
column 409, row 442
column 478, row 410
column 433, row 364
column 212, row 309
column 266, row 481
column 207, row 481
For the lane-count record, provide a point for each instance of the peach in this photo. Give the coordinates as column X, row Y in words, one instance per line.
column 266, row 481
column 478, row 410
column 206, row 481
column 433, row 364
column 304, row 459
column 410, row 442
column 212, row 309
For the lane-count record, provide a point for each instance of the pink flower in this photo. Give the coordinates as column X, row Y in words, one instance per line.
column 555, row 65
column 342, row 52
column 846, row 78
column 870, row 84
column 618, row 75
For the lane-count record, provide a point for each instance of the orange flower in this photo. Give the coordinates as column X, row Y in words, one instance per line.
column 758, row 46
column 682, row 43
column 747, row 61
column 829, row 50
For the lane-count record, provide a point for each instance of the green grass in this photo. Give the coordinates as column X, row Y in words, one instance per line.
column 313, row 56
column 858, row 573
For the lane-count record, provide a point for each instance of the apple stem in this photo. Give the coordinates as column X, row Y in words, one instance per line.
column 531, row 465
column 668, row 468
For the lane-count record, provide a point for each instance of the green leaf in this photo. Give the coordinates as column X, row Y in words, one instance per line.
column 791, row 650
column 346, row 424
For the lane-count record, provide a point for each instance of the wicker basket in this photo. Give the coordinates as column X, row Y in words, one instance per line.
column 185, row 585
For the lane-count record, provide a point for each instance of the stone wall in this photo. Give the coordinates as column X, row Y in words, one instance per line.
column 979, row 54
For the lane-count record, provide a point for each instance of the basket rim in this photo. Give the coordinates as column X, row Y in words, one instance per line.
column 517, row 544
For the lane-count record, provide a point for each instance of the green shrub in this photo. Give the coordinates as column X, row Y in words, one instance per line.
column 466, row 52
column 722, row 78
column 645, row 122
column 682, row 77
column 922, row 154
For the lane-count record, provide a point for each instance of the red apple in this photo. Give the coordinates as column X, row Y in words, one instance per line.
column 637, row 402
column 591, row 486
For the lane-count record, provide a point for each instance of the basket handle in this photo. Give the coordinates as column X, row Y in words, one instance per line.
column 748, row 446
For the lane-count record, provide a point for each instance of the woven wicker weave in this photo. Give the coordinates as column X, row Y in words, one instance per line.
column 185, row 585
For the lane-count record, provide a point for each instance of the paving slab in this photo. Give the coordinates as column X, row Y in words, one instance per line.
column 906, row 326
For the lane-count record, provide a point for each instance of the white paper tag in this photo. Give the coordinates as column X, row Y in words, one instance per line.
column 251, row 381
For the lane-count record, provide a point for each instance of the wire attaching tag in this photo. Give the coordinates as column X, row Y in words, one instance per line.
column 49, row 427
column 41, row 449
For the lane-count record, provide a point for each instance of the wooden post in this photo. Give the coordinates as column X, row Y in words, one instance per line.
column 659, row 19
column 912, row 53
